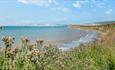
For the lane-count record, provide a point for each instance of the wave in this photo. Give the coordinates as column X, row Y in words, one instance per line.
column 75, row 43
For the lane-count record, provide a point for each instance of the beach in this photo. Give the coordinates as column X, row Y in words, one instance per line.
column 106, row 31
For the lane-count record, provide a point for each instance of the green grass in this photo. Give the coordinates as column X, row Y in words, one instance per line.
column 86, row 57
column 113, row 26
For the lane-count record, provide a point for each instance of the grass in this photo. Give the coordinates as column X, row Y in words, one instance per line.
column 93, row 56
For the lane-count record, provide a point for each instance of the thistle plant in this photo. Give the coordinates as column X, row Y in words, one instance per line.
column 32, row 57
column 32, row 47
column 40, row 44
column 8, row 41
column 9, row 53
column 25, row 43
column 33, row 52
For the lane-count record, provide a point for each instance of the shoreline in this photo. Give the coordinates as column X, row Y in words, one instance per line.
column 106, row 31
column 71, row 42
column 89, row 37
column 65, row 34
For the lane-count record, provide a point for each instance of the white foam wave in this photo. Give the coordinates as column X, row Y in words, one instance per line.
column 71, row 44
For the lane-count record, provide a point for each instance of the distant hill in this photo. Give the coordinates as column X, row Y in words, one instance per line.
column 106, row 22
column 100, row 23
column 95, row 23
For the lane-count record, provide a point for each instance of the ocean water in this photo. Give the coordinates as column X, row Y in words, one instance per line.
column 65, row 37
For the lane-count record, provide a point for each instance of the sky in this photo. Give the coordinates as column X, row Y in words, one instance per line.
column 50, row 12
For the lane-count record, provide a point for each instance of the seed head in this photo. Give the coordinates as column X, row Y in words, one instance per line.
column 35, row 52
column 25, row 39
column 32, row 46
column 7, row 39
column 40, row 41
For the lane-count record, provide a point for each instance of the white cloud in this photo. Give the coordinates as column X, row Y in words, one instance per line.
column 79, row 3
column 45, row 3
column 109, row 12
column 23, row 1
column 90, row 3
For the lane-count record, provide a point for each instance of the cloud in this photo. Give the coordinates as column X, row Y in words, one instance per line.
column 109, row 12
column 79, row 3
column 45, row 3
column 91, row 3
column 23, row 1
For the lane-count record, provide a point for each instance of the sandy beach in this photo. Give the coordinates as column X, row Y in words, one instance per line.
column 106, row 31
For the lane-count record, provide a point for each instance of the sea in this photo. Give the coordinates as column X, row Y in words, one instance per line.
column 63, row 36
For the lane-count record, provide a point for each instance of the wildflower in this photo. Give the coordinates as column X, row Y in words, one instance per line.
column 46, row 47
column 31, row 47
column 35, row 52
column 8, row 41
column 24, row 47
column 39, row 43
column 33, row 55
column 14, row 50
column 25, row 39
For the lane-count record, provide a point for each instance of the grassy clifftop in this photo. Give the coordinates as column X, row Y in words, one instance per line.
column 102, row 28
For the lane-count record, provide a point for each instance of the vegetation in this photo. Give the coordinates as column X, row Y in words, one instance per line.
column 98, row 55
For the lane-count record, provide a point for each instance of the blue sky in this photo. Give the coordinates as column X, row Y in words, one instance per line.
column 33, row 12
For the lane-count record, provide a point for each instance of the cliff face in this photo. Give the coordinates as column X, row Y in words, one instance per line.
column 102, row 28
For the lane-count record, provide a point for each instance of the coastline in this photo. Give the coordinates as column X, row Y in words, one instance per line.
column 93, row 34
column 106, row 31
column 60, row 35
column 83, row 28
column 87, row 56
column 66, row 45
column 88, row 38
